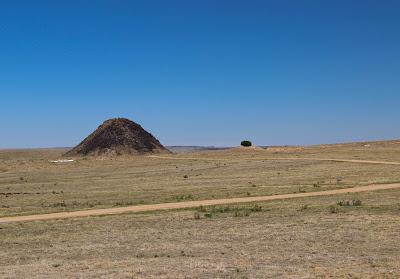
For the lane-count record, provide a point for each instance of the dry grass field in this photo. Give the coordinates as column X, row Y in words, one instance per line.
column 341, row 236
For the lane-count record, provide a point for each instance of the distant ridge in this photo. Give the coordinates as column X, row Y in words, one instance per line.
column 118, row 136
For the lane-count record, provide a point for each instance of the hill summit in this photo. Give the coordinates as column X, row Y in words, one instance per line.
column 118, row 136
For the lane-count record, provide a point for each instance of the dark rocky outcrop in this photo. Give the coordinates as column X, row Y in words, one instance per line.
column 118, row 136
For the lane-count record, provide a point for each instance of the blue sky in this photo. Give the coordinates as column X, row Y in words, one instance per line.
column 200, row 72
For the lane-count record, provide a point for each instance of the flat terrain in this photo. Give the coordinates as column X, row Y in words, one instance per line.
column 351, row 235
column 30, row 184
column 191, row 204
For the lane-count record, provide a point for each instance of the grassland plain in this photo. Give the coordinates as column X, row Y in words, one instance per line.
column 30, row 184
column 302, row 238
column 352, row 235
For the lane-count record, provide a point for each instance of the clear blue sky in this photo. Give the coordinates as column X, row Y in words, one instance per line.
column 200, row 72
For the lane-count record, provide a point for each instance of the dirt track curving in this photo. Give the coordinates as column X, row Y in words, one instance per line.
column 190, row 204
column 282, row 159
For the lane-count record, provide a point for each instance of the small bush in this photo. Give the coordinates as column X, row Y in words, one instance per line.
column 55, row 265
column 343, row 203
column 184, row 197
column 241, row 213
column 334, row 209
column 357, row 202
column 58, row 204
column 349, row 203
column 197, row 216
column 256, row 208
column 246, row 143
column 220, row 209
column 304, row 207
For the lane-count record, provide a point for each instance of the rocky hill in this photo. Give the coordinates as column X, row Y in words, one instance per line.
column 118, row 136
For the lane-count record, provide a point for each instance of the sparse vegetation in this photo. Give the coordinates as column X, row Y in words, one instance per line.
column 304, row 207
column 302, row 190
column 129, row 181
column 56, row 265
column 238, row 211
column 56, row 204
column 184, row 197
column 256, row 208
column 334, row 209
column 349, row 203
column 124, row 203
column 275, row 231
column 241, row 213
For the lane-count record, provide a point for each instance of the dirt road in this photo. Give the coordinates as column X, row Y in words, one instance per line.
column 281, row 159
column 191, row 204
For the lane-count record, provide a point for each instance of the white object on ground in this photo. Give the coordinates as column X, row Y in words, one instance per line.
column 62, row 161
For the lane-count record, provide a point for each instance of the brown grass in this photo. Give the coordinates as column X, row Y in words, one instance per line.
column 123, row 181
column 299, row 238
column 284, row 239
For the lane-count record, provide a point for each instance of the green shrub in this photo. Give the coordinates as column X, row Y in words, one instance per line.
column 220, row 209
column 343, row 203
column 241, row 213
column 304, row 207
column 349, row 203
column 357, row 202
column 184, row 197
column 256, row 208
column 246, row 143
column 334, row 209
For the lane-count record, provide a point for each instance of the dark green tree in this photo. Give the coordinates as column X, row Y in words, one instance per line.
column 246, row 143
